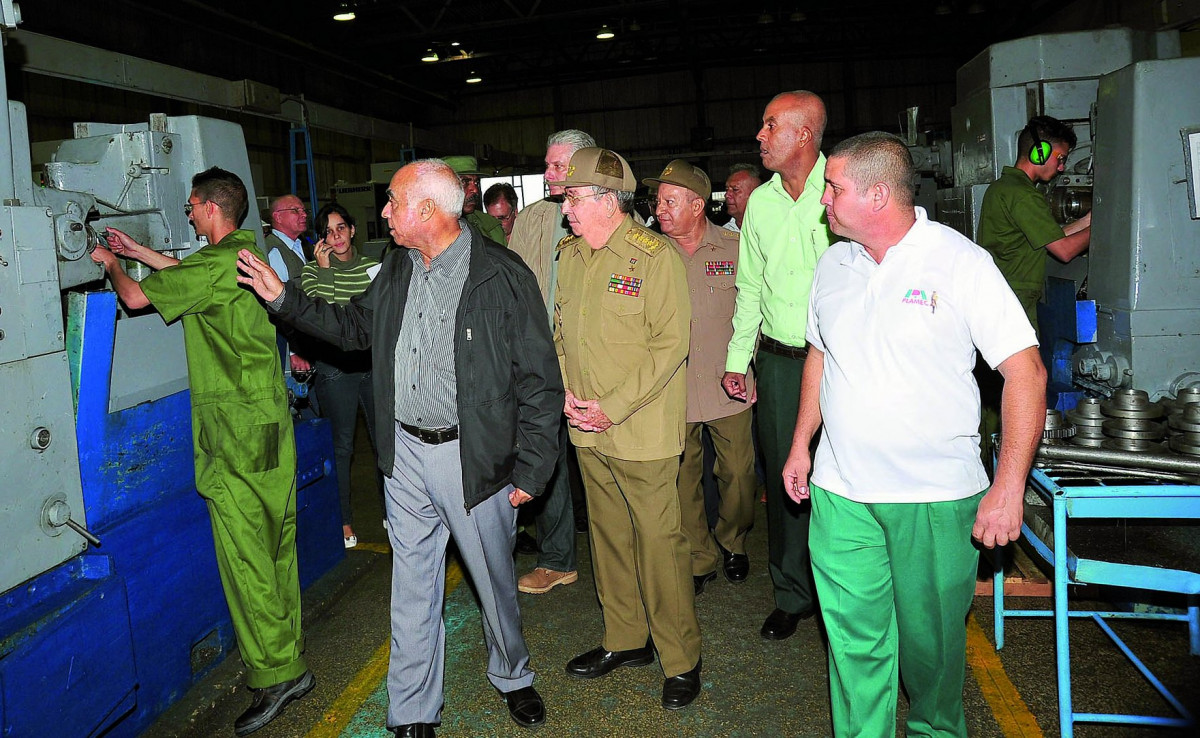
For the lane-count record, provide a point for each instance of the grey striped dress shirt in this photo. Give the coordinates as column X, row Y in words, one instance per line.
column 426, row 393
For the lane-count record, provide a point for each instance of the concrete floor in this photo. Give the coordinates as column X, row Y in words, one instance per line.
column 752, row 687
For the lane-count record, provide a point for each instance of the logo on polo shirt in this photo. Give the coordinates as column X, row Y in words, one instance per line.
column 921, row 298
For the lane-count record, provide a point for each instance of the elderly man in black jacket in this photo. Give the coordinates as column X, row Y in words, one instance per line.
column 467, row 383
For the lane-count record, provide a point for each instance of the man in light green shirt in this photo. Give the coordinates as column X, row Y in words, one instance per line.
column 783, row 234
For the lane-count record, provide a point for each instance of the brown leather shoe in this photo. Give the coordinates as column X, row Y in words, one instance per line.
column 541, row 580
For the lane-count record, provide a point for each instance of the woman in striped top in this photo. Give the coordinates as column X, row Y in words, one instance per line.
column 343, row 378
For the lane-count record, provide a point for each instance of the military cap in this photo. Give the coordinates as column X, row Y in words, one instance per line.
column 601, row 168
column 683, row 174
column 464, row 165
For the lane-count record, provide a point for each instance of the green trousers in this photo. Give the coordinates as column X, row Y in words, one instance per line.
column 787, row 522
column 734, row 470
column 640, row 557
column 246, row 472
column 895, row 582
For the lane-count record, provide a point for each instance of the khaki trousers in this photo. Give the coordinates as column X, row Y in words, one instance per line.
column 640, row 557
column 734, row 470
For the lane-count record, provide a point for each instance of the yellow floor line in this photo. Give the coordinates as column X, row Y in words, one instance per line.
column 378, row 548
column 367, row 680
column 1011, row 712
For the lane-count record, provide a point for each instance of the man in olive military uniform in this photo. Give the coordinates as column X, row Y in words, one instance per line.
column 244, row 451
column 467, row 169
column 710, row 257
column 621, row 333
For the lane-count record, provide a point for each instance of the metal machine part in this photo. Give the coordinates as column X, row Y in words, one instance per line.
column 1056, row 429
column 1088, row 420
column 1117, row 459
column 1133, row 104
column 1070, row 203
column 1131, row 403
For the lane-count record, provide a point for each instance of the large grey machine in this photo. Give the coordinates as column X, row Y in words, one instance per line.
column 1135, row 106
column 110, row 600
column 132, row 177
column 1119, row 328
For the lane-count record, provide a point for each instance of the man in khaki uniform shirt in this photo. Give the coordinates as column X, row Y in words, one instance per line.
column 710, row 256
column 621, row 331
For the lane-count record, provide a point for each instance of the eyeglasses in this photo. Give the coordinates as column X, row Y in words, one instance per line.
column 187, row 209
column 300, row 211
column 574, row 199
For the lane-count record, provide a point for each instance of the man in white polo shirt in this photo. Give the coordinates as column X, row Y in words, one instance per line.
column 896, row 314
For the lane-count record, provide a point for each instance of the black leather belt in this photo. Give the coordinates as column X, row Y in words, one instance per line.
column 771, row 346
column 432, row 436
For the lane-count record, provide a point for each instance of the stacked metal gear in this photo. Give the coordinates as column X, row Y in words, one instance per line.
column 1133, row 422
column 1185, row 426
column 1056, row 430
column 1175, row 406
column 1088, row 420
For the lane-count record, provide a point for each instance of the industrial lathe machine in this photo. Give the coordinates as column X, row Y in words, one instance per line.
column 110, row 601
column 1119, row 466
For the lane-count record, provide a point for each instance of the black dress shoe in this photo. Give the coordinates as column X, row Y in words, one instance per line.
column 737, row 566
column 526, row 544
column 679, row 691
column 413, row 730
column 526, row 707
column 698, row 582
column 270, row 701
column 780, row 624
column 598, row 662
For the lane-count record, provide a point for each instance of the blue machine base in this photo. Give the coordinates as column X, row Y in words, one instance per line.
column 107, row 641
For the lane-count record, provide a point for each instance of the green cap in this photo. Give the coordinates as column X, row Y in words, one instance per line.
column 683, row 174
column 464, row 165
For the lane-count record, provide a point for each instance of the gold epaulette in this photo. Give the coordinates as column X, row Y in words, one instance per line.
column 732, row 235
column 565, row 241
column 646, row 240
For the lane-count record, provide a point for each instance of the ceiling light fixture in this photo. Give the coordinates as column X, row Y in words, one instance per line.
column 455, row 43
column 634, row 27
column 766, row 19
column 605, row 33
column 797, row 16
column 474, row 79
column 976, row 8
column 344, row 12
column 942, row 9
column 429, row 56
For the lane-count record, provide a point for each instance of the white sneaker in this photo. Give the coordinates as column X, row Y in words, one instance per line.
column 350, row 541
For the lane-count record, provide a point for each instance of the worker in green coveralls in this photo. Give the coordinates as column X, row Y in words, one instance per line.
column 245, row 455
column 1017, row 227
column 1015, row 222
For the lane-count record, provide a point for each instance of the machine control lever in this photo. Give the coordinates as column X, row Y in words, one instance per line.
column 58, row 513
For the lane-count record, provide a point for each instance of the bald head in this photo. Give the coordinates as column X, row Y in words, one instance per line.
column 806, row 109
column 424, row 203
column 790, row 137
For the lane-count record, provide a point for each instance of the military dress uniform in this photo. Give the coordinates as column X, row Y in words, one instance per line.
column 621, row 333
column 245, row 454
column 711, row 275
